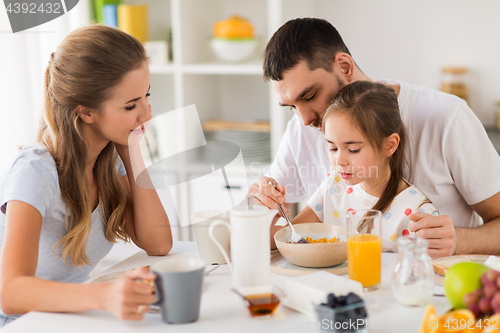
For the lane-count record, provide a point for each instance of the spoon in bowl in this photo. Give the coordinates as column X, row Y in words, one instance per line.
column 294, row 237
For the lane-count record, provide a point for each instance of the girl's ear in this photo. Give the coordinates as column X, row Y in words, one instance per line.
column 85, row 114
column 391, row 144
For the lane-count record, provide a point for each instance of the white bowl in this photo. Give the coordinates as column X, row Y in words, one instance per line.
column 316, row 254
column 233, row 50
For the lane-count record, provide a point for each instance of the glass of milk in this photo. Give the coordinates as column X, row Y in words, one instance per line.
column 413, row 276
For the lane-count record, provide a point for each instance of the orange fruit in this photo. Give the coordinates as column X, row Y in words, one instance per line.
column 493, row 323
column 428, row 319
column 473, row 328
column 234, row 27
column 456, row 321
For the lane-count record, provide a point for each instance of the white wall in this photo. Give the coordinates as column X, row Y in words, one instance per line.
column 24, row 56
column 411, row 40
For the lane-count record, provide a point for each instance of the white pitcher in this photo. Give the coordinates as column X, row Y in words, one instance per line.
column 250, row 245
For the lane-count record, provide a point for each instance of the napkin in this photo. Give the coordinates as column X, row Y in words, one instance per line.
column 493, row 263
column 304, row 291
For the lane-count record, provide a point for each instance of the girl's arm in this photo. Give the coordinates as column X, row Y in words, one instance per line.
column 307, row 215
column 21, row 291
column 145, row 219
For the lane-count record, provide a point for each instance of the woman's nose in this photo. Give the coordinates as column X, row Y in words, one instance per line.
column 145, row 115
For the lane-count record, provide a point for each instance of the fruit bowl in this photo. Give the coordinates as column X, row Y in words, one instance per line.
column 313, row 255
column 233, row 49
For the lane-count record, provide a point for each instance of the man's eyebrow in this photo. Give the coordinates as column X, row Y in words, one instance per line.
column 302, row 94
column 138, row 98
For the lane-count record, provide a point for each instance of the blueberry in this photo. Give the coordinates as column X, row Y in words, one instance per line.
column 341, row 317
column 341, row 300
column 331, row 301
column 361, row 312
column 352, row 298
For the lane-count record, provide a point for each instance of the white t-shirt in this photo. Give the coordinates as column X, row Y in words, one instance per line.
column 453, row 162
column 334, row 198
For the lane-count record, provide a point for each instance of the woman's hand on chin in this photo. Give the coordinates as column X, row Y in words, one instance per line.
column 130, row 150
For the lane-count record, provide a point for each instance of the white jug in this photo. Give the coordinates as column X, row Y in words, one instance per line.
column 250, row 245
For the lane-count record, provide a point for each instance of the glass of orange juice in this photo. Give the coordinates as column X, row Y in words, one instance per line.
column 364, row 247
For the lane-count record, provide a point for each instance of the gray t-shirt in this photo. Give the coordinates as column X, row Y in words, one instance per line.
column 33, row 178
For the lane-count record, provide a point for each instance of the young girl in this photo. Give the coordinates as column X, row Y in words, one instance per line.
column 366, row 140
column 68, row 198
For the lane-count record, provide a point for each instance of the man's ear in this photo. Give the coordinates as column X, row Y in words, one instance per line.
column 391, row 144
column 85, row 114
column 345, row 65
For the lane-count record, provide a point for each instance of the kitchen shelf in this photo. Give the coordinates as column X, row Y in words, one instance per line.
column 210, row 68
column 162, row 69
column 220, row 125
column 220, row 68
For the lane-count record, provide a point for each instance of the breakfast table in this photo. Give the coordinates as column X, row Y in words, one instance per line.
column 223, row 311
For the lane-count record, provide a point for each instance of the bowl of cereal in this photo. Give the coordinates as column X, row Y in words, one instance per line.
column 327, row 245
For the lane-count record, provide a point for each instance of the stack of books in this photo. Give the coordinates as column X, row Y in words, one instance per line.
column 132, row 19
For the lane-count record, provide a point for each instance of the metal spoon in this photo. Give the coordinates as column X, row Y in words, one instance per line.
column 294, row 237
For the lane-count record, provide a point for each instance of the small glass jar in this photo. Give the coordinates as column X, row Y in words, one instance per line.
column 453, row 81
column 413, row 276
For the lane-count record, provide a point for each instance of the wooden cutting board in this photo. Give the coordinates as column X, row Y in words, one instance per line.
column 281, row 266
column 441, row 265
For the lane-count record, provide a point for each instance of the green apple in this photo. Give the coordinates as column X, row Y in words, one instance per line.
column 461, row 279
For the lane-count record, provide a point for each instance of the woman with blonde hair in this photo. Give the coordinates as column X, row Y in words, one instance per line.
column 65, row 200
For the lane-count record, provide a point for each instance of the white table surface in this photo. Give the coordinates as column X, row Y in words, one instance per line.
column 222, row 311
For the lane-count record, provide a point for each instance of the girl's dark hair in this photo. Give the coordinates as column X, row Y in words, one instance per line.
column 373, row 109
column 311, row 39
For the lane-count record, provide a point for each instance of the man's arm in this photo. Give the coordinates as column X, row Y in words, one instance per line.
column 445, row 240
column 483, row 239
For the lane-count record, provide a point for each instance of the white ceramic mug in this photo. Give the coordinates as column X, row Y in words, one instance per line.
column 207, row 248
column 250, row 245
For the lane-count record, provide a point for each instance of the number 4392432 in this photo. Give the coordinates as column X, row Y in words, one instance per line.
column 34, row 8
column 455, row 324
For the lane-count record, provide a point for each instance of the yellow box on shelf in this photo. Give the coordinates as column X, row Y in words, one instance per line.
column 133, row 19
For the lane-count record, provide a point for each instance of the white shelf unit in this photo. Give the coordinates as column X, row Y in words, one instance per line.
column 231, row 91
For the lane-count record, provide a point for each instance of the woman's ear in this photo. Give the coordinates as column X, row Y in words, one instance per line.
column 391, row 144
column 85, row 114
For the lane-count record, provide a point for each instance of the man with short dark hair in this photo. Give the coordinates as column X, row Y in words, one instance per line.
column 452, row 160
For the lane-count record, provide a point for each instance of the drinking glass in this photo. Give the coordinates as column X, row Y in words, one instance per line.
column 364, row 247
column 413, row 276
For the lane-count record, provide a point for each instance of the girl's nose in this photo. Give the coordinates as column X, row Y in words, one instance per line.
column 342, row 159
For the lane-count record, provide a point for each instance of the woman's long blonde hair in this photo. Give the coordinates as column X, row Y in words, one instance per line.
column 85, row 68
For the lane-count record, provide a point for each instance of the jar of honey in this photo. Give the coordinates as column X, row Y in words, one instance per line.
column 453, row 81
